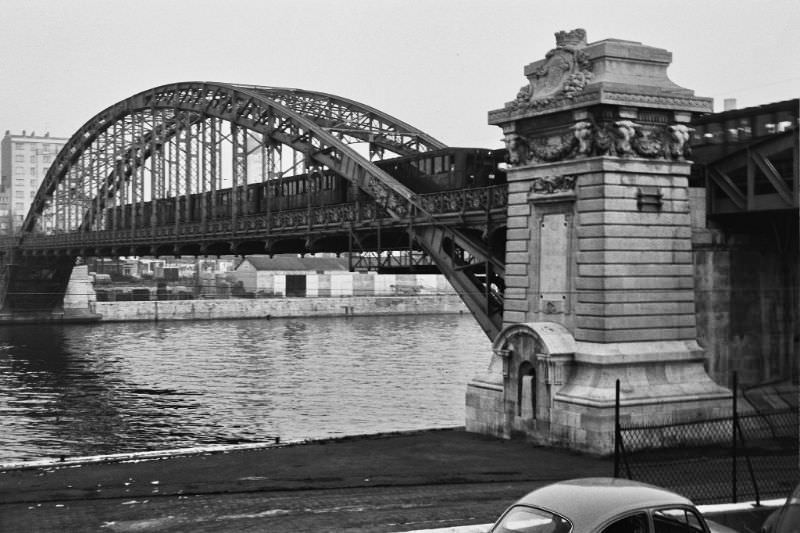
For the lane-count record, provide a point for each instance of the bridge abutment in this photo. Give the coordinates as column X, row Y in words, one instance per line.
column 43, row 289
column 599, row 265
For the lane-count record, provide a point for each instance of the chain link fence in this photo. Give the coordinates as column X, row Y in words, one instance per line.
column 748, row 456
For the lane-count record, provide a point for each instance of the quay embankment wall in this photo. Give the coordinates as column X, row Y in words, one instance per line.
column 277, row 307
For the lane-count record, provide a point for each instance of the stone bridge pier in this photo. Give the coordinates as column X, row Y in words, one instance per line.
column 43, row 288
column 599, row 268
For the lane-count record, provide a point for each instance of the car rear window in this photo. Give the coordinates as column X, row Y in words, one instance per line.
column 523, row 519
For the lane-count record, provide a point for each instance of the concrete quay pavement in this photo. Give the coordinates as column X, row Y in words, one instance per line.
column 384, row 483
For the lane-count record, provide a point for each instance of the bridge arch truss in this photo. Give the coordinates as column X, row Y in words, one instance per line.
column 198, row 137
column 187, row 140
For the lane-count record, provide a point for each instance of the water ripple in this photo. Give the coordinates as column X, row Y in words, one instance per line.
column 112, row 388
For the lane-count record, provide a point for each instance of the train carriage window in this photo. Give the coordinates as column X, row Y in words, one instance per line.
column 745, row 131
column 713, row 133
column 438, row 166
column 698, row 136
column 764, row 125
column 783, row 121
column 731, row 131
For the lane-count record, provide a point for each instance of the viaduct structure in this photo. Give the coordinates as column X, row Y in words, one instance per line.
column 631, row 235
column 202, row 168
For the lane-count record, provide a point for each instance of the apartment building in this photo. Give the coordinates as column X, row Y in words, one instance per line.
column 24, row 160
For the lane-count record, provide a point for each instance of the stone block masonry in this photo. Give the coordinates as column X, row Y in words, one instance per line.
column 599, row 258
column 277, row 308
column 621, row 250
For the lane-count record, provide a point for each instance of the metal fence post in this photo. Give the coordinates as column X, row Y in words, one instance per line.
column 734, row 425
column 617, row 432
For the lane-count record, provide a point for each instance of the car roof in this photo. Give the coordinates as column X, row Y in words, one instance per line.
column 588, row 502
column 794, row 497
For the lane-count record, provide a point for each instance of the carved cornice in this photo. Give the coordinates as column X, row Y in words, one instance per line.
column 515, row 111
column 577, row 74
column 695, row 103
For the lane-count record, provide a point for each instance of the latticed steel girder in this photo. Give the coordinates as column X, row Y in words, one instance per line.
column 244, row 107
column 348, row 119
column 175, row 142
column 479, row 279
column 761, row 176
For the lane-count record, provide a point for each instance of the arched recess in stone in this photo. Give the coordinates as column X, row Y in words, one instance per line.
column 543, row 350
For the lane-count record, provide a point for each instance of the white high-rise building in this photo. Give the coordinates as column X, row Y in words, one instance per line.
column 24, row 161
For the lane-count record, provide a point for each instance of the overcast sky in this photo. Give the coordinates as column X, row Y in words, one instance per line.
column 440, row 65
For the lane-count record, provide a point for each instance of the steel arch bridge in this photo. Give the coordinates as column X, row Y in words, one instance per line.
column 173, row 169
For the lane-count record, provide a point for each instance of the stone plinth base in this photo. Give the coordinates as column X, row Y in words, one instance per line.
column 534, row 389
column 484, row 413
column 660, row 383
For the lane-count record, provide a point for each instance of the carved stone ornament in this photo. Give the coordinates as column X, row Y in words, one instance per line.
column 563, row 75
column 621, row 138
column 553, row 184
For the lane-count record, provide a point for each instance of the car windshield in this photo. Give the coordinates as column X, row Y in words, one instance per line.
column 523, row 519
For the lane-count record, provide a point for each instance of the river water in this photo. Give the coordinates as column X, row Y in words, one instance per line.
column 104, row 388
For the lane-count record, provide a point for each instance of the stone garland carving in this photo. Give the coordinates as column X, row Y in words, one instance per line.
column 553, row 184
column 544, row 151
column 622, row 138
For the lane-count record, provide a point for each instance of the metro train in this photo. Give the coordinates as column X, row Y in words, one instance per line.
column 434, row 171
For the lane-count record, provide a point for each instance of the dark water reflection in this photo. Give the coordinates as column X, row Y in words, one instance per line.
column 109, row 388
